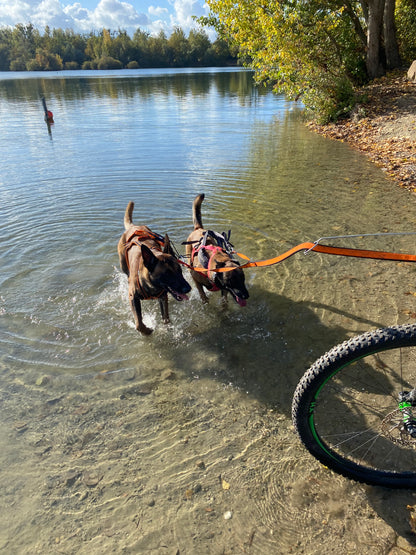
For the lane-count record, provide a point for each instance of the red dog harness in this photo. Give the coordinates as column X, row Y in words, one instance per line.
column 136, row 238
column 139, row 235
column 213, row 249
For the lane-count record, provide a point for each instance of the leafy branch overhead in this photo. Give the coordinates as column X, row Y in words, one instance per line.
column 320, row 50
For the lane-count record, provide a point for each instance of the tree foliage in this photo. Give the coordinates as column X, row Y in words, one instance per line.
column 406, row 29
column 24, row 48
column 320, row 50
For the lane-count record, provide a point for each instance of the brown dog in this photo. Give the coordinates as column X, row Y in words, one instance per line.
column 212, row 251
column 152, row 269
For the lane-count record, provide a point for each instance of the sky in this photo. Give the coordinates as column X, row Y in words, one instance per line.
column 94, row 15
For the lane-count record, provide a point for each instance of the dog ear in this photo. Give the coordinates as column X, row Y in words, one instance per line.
column 167, row 249
column 149, row 259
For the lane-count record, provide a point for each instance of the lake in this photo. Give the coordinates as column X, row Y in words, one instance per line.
column 180, row 442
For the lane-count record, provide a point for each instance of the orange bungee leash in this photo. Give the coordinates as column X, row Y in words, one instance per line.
column 324, row 249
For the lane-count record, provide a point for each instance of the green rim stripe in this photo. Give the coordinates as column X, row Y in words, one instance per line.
column 313, row 403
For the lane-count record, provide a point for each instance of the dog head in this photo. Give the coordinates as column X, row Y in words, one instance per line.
column 232, row 281
column 164, row 272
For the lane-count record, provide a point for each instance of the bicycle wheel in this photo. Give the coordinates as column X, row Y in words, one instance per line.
column 346, row 408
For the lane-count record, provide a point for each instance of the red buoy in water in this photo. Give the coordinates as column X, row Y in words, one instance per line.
column 48, row 113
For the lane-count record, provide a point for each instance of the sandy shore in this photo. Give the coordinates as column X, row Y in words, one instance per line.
column 383, row 127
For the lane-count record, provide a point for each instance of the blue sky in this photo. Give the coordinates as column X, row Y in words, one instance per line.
column 89, row 15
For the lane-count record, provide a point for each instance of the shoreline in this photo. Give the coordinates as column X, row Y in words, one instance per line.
column 383, row 127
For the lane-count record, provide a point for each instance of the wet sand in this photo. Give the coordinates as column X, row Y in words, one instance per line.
column 176, row 464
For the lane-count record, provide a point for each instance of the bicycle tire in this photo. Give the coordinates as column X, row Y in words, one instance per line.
column 345, row 408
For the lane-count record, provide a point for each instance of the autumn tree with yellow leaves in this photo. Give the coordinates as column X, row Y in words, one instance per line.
column 316, row 50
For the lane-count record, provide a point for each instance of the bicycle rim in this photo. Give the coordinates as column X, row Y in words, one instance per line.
column 346, row 408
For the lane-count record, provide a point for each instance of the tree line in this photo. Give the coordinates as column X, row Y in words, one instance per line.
column 321, row 51
column 24, row 48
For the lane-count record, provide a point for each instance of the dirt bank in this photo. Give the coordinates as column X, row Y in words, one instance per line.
column 383, row 126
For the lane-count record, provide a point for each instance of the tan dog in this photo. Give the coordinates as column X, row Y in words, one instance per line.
column 212, row 251
column 152, row 269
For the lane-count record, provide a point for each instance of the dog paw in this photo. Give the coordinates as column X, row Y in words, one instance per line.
column 144, row 330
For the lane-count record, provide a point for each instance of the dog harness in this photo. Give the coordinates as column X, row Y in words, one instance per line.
column 136, row 237
column 205, row 258
column 139, row 235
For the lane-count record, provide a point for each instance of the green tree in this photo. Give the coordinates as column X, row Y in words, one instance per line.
column 219, row 53
column 122, row 48
column 108, row 62
column 104, row 49
column 5, row 48
column 68, row 45
column 140, row 45
column 4, row 57
column 158, row 50
column 406, row 29
column 198, row 46
column 94, row 46
column 45, row 61
column 25, row 39
column 320, row 49
column 179, row 48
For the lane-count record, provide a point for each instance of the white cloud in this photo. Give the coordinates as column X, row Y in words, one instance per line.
column 114, row 14
column 50, row 12
column 110, row 14
column 77, row 12
column 15, row 12
column 157, row 11
column 184, row 10
column 159, row 25
column 46, row 12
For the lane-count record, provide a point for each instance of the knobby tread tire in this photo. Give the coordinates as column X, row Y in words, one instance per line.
column 328, row 365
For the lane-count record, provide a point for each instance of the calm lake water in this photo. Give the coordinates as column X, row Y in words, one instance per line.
column 180, row 442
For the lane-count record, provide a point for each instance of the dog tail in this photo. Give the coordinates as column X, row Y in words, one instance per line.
column 128, row 216
column 196, row 211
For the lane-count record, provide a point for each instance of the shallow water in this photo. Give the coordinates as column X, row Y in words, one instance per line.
column 118, row 443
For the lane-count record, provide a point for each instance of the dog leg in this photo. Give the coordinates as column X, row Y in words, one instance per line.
column 224, row 298
column 123, row 263
column 201, row 292
column 164, row 309
column 136, row 308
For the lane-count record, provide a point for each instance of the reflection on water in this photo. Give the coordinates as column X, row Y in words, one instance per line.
column 119, row 439
column 144, row 84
